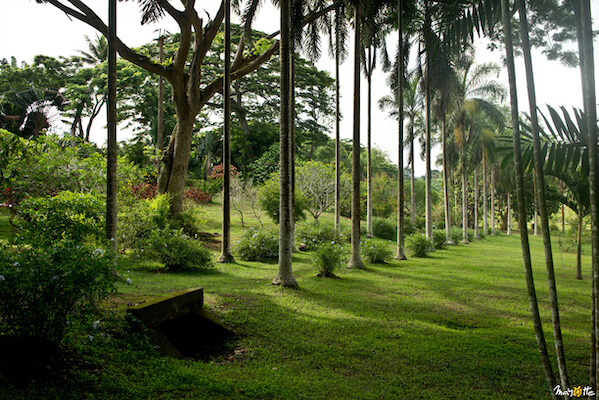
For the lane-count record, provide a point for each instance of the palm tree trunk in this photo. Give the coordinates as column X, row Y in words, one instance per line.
column 476, row 234
column 337, row 134
column 226, row 256
column 448, row 239
column 509, row 215
column 111, row 158
column 492, row 201
column 400, row 254
column 485, row 199
column 588, row 73
column 160, row 116
column 369, row 148
column 428, row 139
column 412, row 179
column 285, row 274
column 464, row 204
column 356, row 258
column 540, row 196
column 532, row 297
column 579, row 245
column 536, row 216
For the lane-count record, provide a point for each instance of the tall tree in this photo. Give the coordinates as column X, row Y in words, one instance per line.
column 400, row 253
column 111, row 157
column 540, row 195
column 532, row 297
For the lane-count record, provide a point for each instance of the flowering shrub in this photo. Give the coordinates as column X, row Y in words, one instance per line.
column 179, row 252
column 42, row 289
column 197, row 195
column 144, row 190
column 376, row 251
column 418, row 245
column 328, row 257
column 312, row 233
column 257, row 244
column 217, row 172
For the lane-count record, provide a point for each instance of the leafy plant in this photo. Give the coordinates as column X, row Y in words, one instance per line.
column 42, row 289
column 376, row 251
column 327, row 258
column 439, row 238
column 313, row 233
column 257, row 244
column 417, row 245
column 179, row 252
column 384, row 228
column 268, row 197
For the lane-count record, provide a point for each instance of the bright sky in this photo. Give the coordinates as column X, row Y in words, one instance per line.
column 28, row 29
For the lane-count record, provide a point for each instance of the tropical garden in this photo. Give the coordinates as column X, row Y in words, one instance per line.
column 341, row 273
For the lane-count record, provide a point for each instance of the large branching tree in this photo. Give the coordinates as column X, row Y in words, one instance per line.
column 184, row 71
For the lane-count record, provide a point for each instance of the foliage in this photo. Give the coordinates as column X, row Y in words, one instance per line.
column 144, row 190
column 384, row 228
column 43, row 289
column 384, row 195
column 439, row 238
column 266, row 165
column 314, row 233
column 316, row 181
column 178, row 252
column 328, row 257
column 376, row 251
column 74, row 216
column 197, row 195
column 268, row 198
column 257, row 244
column 456, row 234
column 417, row 245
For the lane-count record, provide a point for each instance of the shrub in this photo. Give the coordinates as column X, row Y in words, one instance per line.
column 74, row 216
column 312, row 233
column 178, row 252
column 420, row 223
column 328, row 257
column 456, row 234
column 257, row 244
column 384, row 228
column 197, row 195
column 42, row 289
column 439, row 238
column 417, row 245
column 408, row 228
column 376, row 251
column 144, row 190
column 268, row 198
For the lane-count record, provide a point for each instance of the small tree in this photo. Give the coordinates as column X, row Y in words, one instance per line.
column 317, row 182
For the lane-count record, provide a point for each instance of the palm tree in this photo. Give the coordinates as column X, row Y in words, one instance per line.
column 111, row 157
column 532, row 297
column 226, row 255
column 540, row 195
column 97, row 50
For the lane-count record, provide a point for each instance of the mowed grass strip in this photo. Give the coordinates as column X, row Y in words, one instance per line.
column 453, row 325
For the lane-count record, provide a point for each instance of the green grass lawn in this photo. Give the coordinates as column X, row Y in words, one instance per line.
column 453, row 325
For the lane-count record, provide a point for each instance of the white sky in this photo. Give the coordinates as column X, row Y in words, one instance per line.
column 28, row 29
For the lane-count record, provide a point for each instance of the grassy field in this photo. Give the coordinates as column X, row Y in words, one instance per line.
column 453, row 325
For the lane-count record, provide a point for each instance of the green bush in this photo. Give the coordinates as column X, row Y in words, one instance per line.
column 257, row 244
column 313, row 233
column 268, row 198
column 439, row 238
column 456, row 234
column 376, row 251
column 73, row 216
column 417, row 245
column 408, row 228
column 179, row 252
column 420, row 223
column 384, row 228
column 328, row 257
column 42, row 289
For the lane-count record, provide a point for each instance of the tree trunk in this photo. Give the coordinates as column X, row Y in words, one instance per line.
column 476, row 233
column 160, row 116
column 588, row 84
column 509, row 215
column 532, row 297
column 536, row 216
column 428, row 139
column 226, row 256
column 540, row 197
column 464, row 204
column 356, row 258
column 369, row 148
column 448, row 239
column 337, row 134
column 485, row 198
column 111, row 158
column 285, row 274
column 579, row 245
column 412, row 178
column 492, row 201
column 400, row 254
